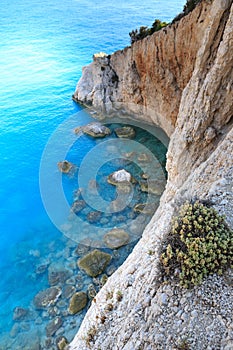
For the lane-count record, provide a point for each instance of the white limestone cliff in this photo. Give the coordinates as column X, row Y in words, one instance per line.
column 184, row 73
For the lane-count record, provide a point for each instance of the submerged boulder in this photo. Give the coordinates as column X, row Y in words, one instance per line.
column 147, row 209
column 95, row 262
column 53, row 326
column 116, row 238
column 96, row 130
column 19, row 313
column 93, row 216
column 77, row 302
column 47, row 297
column 78, row 205
column 57, row 275
column 66, row 167
column 152, row 187
column 125, row 132
column 62, row 342
column 144, row 158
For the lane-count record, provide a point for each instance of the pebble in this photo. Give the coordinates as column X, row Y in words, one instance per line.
column 163, row 299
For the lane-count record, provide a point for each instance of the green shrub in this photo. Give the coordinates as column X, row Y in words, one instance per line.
column 140, row 34
column 190, row 5
column 200, row 243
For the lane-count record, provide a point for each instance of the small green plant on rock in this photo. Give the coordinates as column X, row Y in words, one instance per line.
column 200, row 243
column 90, row 335
column 119, row 295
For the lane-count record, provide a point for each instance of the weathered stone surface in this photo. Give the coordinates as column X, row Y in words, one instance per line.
column 125, row 132
column 47, row 297
column 96, row 130
column 77, row 302
column 116, row 238
column 148, row 78
column 186, row 67
column 95, row 262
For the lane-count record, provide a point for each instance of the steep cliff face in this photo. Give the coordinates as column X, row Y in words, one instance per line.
column 150, row 75
column 185, row 75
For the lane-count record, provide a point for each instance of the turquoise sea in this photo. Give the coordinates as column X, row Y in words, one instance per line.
column 44, row 45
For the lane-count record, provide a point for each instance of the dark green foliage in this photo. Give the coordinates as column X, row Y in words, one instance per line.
column 136, row 34
column 188, row 7
column 200, row 243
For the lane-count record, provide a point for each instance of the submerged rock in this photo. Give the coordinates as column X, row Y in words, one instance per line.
column 66, row 167
column 62, row 342
column 78, row 205
column 93, row 216
column 77, row 302
column 94, row 263
column 19, row 313
column 147, row 209
column 78, row 130
column 56, row 276
column 144, row 158
column 153, row 187
column 47, row 297
column 53, row 326
column 83, row 247
column 116, row 238
column 125, row 132
column 96, row 130
column 91, row 291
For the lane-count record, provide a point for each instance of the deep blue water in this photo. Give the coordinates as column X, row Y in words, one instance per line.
column 44, row 45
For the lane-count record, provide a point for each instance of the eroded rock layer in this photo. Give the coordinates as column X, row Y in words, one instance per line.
column 184, row 74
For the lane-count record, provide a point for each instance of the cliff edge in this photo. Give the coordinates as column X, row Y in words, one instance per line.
column 184, row 74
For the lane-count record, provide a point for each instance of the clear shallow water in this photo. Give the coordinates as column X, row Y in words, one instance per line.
column 43, row 48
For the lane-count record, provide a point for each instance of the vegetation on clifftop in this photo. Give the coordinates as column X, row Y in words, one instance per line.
column 136, row 34
column 142, row 32
column 200, row 243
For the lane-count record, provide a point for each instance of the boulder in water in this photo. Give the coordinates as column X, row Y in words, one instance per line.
column 53, row 326
column 116, row 238
column 95, row 262
column 77, row 302
column 47, row 297
column 96, row 130
column 19, row 313
column 125, row 132
column 120, row 177
column 153, row 187
column 78, row 205
column 145, row 208
column 93, row 216
column 66, row 167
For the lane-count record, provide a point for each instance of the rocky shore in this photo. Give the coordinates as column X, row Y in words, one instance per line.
column 181, row 79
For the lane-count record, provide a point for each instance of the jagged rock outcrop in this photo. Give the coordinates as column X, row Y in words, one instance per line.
column 183, row 73
column 148, row 77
